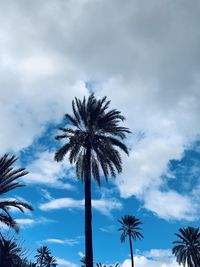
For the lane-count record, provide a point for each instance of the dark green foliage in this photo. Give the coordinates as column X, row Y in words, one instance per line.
column 8, row 182
column 10, row 253
column 92, row 144
column 93, row 140
column 44, row 257
column 187, row 248
column 96, row 129
column 130, row 229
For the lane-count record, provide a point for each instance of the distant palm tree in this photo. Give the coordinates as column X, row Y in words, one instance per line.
column 93, row 140
column 8, row 182
column 50, row 261
column 187, row 248
column 44, row 257
column 10, row 252
column 130, row 229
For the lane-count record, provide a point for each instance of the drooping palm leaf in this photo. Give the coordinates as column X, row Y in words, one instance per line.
column 187, row 248
column 9, row 181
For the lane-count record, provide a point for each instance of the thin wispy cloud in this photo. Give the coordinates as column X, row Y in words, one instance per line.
column 68, row 241
column 104, row 206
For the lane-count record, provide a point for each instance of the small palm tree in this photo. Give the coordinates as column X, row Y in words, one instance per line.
column 187, row 248
column 42, row 256
column 93, row 140
column 10, row 252
column 130, row 229
column 50, row 261
column 8, row 182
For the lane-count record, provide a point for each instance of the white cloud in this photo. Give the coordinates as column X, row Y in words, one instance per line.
column 146, row 58
column 44, row 170
column 170, row 205
column 104, row 206
column 62, row 262
column 61, row 203
column 153, row 258
column 27, row 222
column 69, row 242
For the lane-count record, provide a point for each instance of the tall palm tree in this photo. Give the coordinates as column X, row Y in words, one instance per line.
column 8, row 182
column 130, row 229
column 93, row 139
column 187, row 248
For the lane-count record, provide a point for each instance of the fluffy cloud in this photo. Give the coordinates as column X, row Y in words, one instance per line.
column 44, row 170
column 171, row 205
column 66, row 263
column 144, row 56
column 153, row 258
column 104, row 206
column 27, row 222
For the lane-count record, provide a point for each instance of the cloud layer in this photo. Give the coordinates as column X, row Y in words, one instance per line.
column 143, row 56
column 104, row 206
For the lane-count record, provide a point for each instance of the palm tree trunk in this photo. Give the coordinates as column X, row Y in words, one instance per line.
column 88, row 215
column 131, row 249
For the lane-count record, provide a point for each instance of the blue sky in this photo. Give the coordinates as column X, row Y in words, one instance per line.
column 144, row 56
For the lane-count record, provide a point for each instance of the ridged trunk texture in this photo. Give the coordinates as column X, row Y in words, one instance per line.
column 88, row 216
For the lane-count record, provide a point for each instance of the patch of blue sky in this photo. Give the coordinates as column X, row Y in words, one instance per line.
column 185, row 173
column 93, row 85
column 69, row 222
column 45, row 142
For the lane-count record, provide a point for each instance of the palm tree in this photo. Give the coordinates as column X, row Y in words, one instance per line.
column 10, row 252
column 187, row 248
column 93, row 140
column 42, row 256
column 130, row 229
column 50, row 261
column 8, row 182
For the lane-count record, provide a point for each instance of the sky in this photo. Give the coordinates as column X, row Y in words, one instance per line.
column 144, row 56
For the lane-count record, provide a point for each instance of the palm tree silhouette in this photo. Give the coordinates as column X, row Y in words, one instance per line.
column 92, row 144
column 50, row 261
column 10, row 252
column 187, row 248
column 130, row 229
column 8, row 182
column 42, row 256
